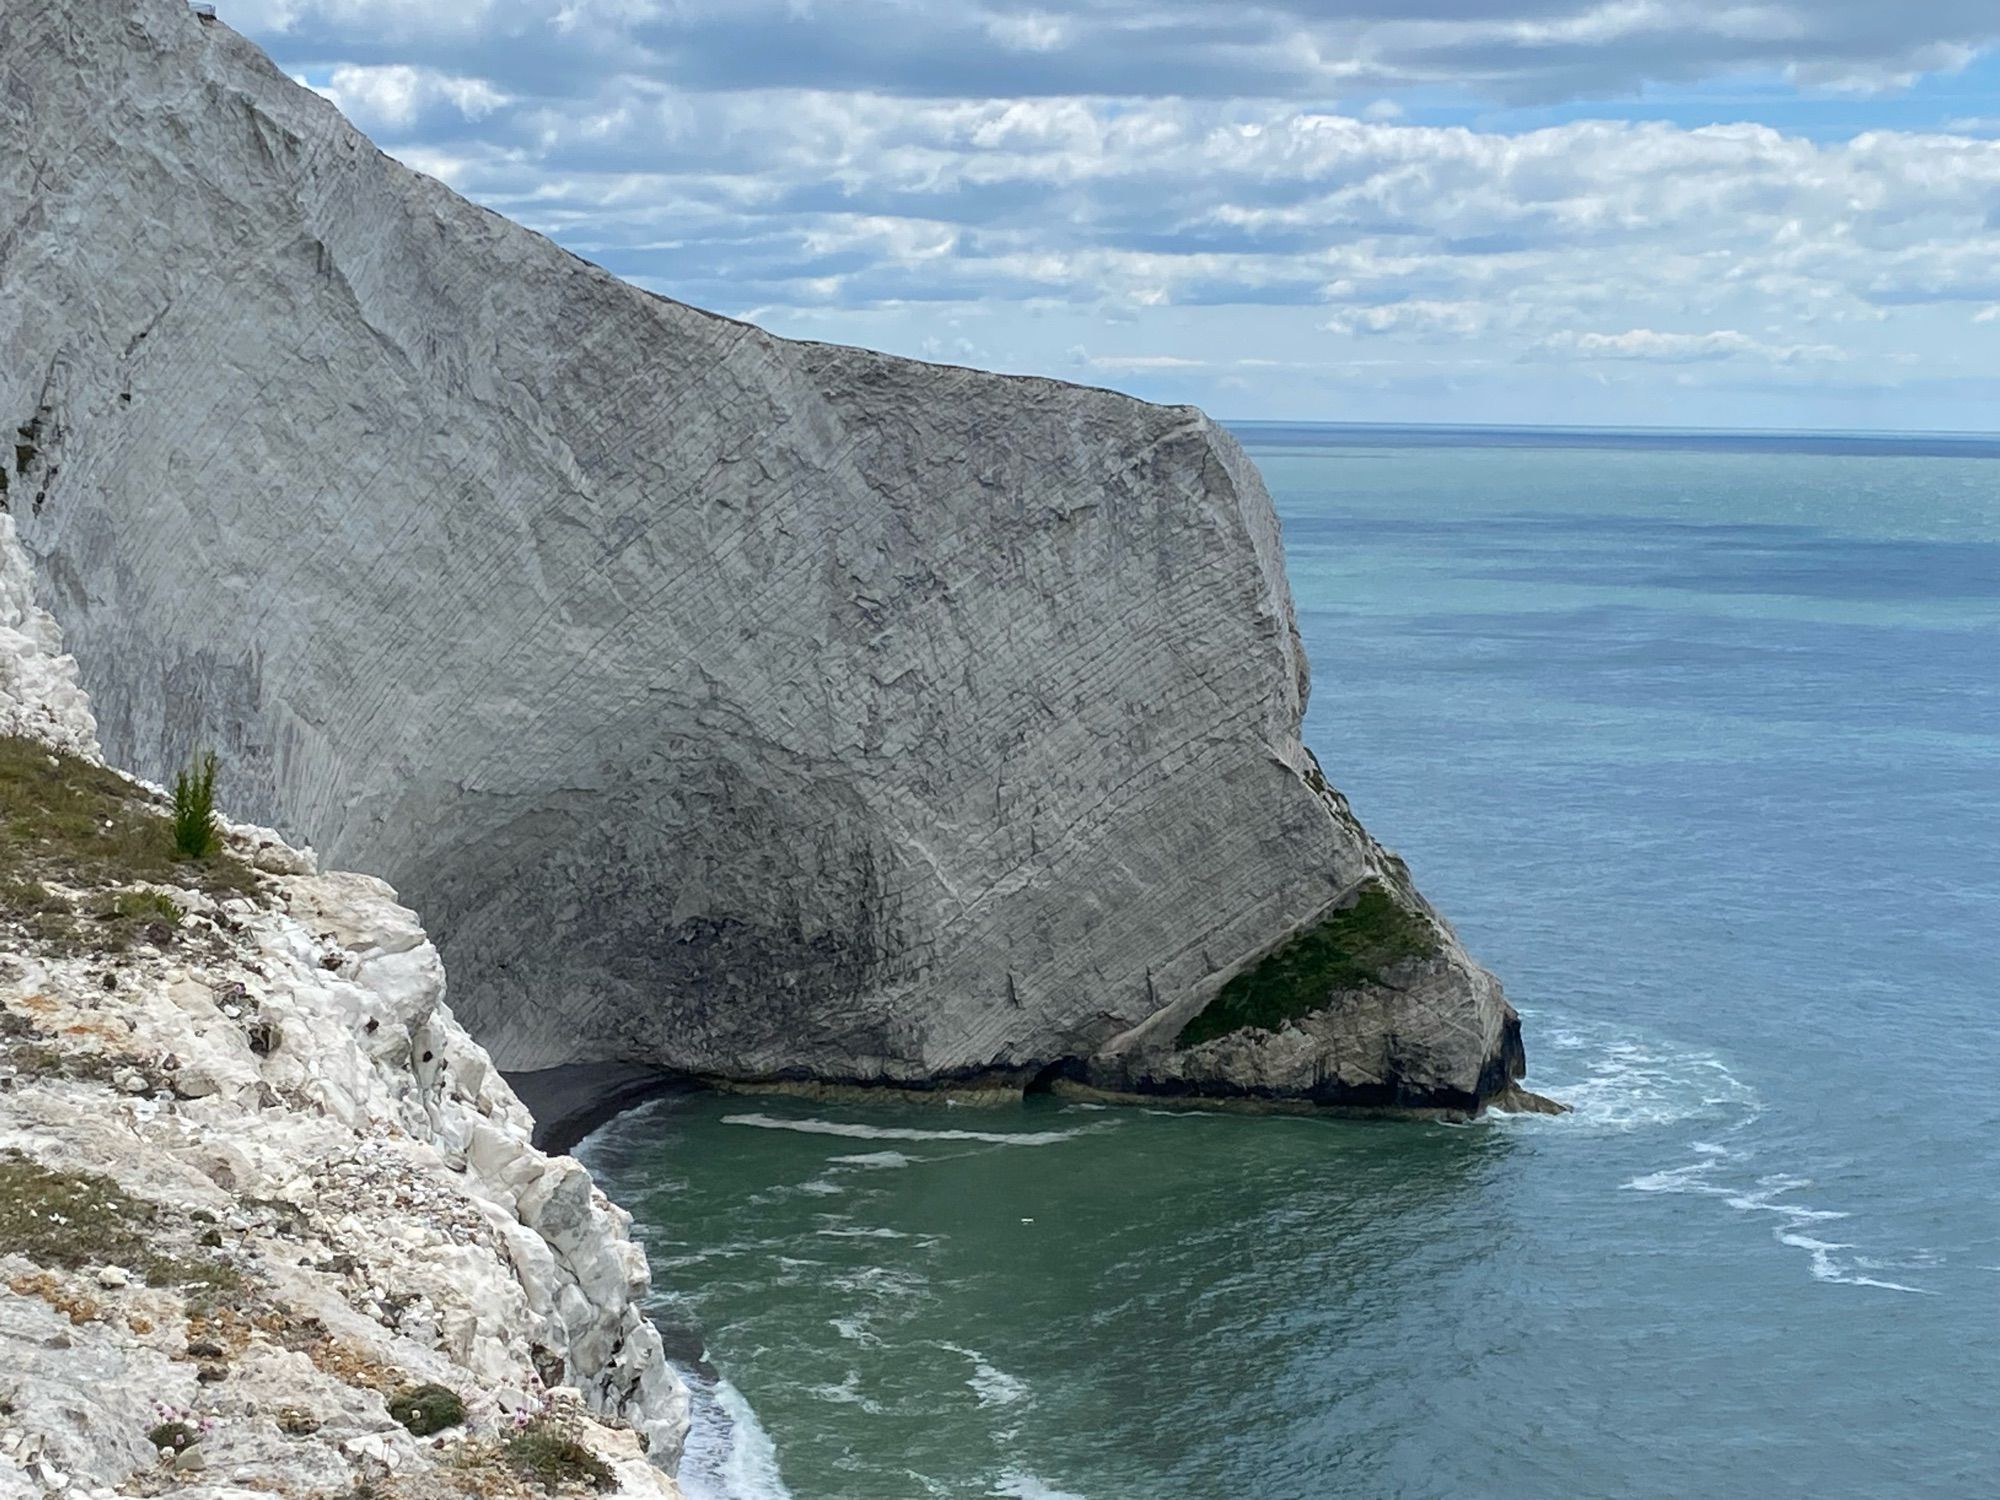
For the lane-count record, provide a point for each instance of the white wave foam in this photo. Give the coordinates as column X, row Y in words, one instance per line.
column 1019, row 1484
column 1614, row 1081
column 855, row 1329
column 1826, row 1268
column 848, row 1393
column 905, row 1133
column 881, row 1282
column 728, row 1454
column 862, row 1234
column 875, row 1160
column 1770, row 1195
column 991, row 1384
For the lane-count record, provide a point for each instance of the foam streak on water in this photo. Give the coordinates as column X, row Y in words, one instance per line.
column 1771, row 1194
column 866, row 1132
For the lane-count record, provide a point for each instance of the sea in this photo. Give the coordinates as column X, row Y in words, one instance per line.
column 1695, row 738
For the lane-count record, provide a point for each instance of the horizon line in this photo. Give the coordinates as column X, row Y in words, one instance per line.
column 1889, row 433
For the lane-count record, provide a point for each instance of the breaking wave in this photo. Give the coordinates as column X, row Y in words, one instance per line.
column 728, row 1455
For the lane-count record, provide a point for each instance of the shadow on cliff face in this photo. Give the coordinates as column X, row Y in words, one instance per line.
column 707, row 923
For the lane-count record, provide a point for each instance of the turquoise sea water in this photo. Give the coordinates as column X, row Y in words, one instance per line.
column 1698, row 745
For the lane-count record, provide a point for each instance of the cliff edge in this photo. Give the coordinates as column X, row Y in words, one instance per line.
column 270, row 1222
column 754, row 709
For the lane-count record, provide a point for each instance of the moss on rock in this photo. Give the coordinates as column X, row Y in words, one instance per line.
column 425, row 1409
column 1347, row 949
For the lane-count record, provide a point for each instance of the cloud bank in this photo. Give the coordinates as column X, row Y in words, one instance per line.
column 1241, row 204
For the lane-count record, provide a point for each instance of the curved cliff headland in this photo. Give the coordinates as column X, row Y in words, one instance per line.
column 757, row 710
column 270, row 1221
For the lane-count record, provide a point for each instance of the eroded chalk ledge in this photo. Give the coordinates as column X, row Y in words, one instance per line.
column 571, row 1101
column 1358, row 1013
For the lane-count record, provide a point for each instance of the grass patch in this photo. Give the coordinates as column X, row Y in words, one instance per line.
column 67, row 820
column 139, row 906
column 107, row 922
column 78, row 1219
column 30, row 898
column 1349, row 948
column 547, row 1452
column 69, row 1219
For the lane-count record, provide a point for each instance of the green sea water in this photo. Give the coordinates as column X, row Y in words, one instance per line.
column 1699, row 747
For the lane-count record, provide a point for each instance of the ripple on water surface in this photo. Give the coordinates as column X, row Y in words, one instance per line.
column 1184, row 1299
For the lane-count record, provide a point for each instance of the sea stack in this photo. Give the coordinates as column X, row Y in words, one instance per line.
column 757, row 710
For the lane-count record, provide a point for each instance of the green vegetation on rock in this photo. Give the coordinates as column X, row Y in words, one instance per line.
column 547, row 1451
column 426, row 1409
column 65, row 823
column 196, row 835
column 1348, row 948
column 172, row 1437
column 71, row 1220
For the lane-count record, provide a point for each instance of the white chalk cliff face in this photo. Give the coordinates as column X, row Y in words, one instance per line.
column 758, row 709
column 253, row 1170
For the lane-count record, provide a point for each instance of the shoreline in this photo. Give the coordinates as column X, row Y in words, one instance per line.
column 571, row 1100
column 568, row 1102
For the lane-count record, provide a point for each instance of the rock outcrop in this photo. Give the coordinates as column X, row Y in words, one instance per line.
column 756, row 709
column 257, row 1186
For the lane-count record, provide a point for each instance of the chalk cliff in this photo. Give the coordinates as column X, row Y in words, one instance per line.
column 757, row 709
column 258, row 1188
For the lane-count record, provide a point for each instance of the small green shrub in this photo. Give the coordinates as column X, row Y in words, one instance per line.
column 1347, row 949
column 426, row 1409
column 196, row 835
column 145, row 906
column 548, row 1451
column 172, row 1437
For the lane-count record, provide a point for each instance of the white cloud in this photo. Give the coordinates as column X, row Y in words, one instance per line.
column 1681, row 348
column 1135, row 362
column 876, row 169
column 1421, row 317
column 1032, row 31
column 393, row 96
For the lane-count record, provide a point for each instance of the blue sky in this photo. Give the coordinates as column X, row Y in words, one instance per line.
column 1762, row 213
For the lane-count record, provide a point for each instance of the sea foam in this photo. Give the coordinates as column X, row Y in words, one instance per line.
column 906, row 1133
column 728, row 1454
column 1770, row 1194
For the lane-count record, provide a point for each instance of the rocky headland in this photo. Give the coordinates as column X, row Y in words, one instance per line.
column 270, row 1221
column 757, row 711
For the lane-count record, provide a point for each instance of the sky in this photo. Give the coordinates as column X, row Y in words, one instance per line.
column 1683, row 213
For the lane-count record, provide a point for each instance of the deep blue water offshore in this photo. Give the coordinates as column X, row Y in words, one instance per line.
column 1696, row 739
